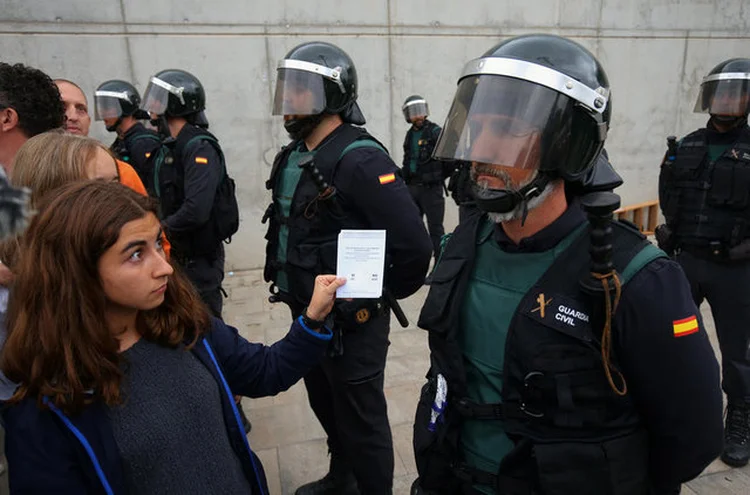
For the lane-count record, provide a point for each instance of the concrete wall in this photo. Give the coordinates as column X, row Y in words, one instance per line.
column 655, row 52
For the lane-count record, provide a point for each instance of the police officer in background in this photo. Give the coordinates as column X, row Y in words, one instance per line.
column 117, row 103
column 704, row 192
column 189, row 180
column 423, row 175
column 567, row 355
column 355, row 185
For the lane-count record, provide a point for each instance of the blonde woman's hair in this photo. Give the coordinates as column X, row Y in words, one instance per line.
column 51, row 160
column 45, row 163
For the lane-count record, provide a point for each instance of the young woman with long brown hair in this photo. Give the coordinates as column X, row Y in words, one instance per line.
column 125, row 382
column 44, row 163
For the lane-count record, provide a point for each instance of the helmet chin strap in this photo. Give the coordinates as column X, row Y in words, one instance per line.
column 507, row 200
column 162, row 126
column 301, row 128
column 733, row 120
column 113, row 127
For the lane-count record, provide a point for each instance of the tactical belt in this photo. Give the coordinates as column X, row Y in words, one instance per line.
column 562, row 386
column 708, row 252
column 413, row 182
column 693, row 184
column 504, row 485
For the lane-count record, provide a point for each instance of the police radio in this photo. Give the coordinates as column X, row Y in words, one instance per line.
column 671, row 148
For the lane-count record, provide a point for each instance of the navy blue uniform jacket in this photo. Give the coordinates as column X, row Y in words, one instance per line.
column 49, row 452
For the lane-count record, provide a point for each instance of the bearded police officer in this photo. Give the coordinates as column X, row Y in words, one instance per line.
column 424, row 175
column 333, row 176
column 567, row 355
column 704, row 191
column 117, row 103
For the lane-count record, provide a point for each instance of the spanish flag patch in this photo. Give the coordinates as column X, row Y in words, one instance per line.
column 387, row 178
column 685, row 326
column 200, row 159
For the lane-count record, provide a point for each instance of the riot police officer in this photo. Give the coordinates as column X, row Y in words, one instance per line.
column 567, row 356
column 424, row 175
column 703, row 191
column 334, row 175
column 191, row 182
column 117, row 103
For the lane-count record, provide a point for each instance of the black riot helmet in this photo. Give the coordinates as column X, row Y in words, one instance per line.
column 415, row 106
column 174, row 93
column 536, row 101
column 725, row 91
column 317, row 78
column 117, row 99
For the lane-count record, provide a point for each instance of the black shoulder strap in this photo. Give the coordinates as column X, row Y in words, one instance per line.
column 468, row 229
column 441, row 309
column 693, row 140
column 329, row 154
column 434, row 127
column 627, row 243
column 146, row 136
column 278, row 160
column 743, row 142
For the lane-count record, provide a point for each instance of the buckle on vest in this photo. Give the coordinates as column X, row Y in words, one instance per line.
column 469, row 409
column 528, row 384
column 464, row 409
column 472, row 475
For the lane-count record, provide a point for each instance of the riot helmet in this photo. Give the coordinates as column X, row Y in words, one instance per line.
column 116, row 99
column 602, row 177
column 539, row 102
column 174, row 93
column 415, row 106
column 725, row 91
column 317, row 78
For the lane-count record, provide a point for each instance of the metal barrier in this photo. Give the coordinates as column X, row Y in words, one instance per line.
column 644, row 215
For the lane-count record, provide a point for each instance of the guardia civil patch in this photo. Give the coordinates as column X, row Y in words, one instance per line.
column 561, row 313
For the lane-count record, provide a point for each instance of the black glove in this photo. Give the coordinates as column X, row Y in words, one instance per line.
column 665, row 239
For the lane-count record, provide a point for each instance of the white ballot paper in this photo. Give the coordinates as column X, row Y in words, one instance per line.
column 361, row 259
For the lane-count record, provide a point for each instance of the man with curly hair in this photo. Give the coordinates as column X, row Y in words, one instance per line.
column 29, row 105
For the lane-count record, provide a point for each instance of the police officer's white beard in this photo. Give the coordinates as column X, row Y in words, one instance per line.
column 518, row 211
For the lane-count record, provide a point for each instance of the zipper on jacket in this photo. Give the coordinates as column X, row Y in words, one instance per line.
column 236, row 413
column 86, row 445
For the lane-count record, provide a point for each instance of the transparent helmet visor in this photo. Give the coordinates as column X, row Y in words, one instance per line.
column 106, row 107
column 299, row 92
column 724, row 97
column 155, row 99
column 416, row 108
column 500, row 120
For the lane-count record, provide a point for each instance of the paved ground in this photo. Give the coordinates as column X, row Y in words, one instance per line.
column 291, row 443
